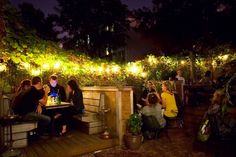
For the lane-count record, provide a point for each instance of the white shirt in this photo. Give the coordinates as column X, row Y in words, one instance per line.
column 180, row 78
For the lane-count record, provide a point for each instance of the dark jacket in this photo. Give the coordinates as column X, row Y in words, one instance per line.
column 55, row 90
column 77, row 101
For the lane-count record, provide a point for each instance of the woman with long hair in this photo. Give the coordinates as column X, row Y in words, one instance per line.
column 77, row 107
column 168, row 100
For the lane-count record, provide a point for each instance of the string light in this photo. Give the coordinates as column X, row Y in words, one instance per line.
column 152, row 60
column 45, row 66
column 182, row 62
column 144, row 74
column 3, row 67
column 115, row 69
column 57, row 65
column 35, row 72
column 25, row 65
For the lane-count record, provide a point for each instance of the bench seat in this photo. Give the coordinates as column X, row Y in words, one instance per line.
column 91, row 122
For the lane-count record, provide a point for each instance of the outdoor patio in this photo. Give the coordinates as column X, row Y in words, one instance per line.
column 180, row 142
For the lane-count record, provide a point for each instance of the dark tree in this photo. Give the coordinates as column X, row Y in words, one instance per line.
column 36, row 20
column 97, row 27
column 179, row 24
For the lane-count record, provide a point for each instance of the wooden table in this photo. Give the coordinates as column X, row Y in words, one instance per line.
column 51, row 109
column 57, row 106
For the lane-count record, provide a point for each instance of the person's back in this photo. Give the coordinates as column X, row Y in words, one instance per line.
column 154, row 109
column 29, row 100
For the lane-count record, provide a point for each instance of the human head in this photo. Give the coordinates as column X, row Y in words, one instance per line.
column 166, row 86
column 179, row 72
column 24, row 85
column 72, row 86
column 37, row 82
column 152, row 99
column 53, row 80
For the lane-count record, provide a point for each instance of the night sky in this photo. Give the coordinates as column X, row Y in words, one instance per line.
column 48, row 5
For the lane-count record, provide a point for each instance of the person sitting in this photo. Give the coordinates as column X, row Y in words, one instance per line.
column 76, row 99
column 29, row 104
column 55, row 88
column 168, row 101
column 152, row 117
column 24, row 86
column 149, row 88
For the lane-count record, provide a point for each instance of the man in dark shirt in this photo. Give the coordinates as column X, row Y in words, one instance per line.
column 30, row 104
column 55, row 88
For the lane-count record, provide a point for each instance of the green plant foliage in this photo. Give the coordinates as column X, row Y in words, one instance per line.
column 134, row 124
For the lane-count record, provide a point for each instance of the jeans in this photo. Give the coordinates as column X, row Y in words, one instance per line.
column 43, row 121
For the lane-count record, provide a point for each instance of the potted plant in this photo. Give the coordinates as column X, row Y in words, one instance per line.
column 133, row 137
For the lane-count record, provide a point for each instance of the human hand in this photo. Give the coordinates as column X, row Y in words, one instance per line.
column 39, row 109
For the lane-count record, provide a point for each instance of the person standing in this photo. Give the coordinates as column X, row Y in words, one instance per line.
column 31, row 102
column 180, row 77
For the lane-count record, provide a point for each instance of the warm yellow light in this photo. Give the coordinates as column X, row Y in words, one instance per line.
column 152, row 60
column 214, row 64
column 115, row 69
column 25, row 65
column 100, row 69
column 144, row 74
column 3, row 67
column 225, row 57
column 75, row 68
column 92, row 69
column 133, row 68
column 35, row 72
column 57, row 65
column 45, row 66
column 182, row 62
column 108, row 70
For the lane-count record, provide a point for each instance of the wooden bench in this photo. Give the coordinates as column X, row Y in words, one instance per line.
column 20, row 130
column 91, row 121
